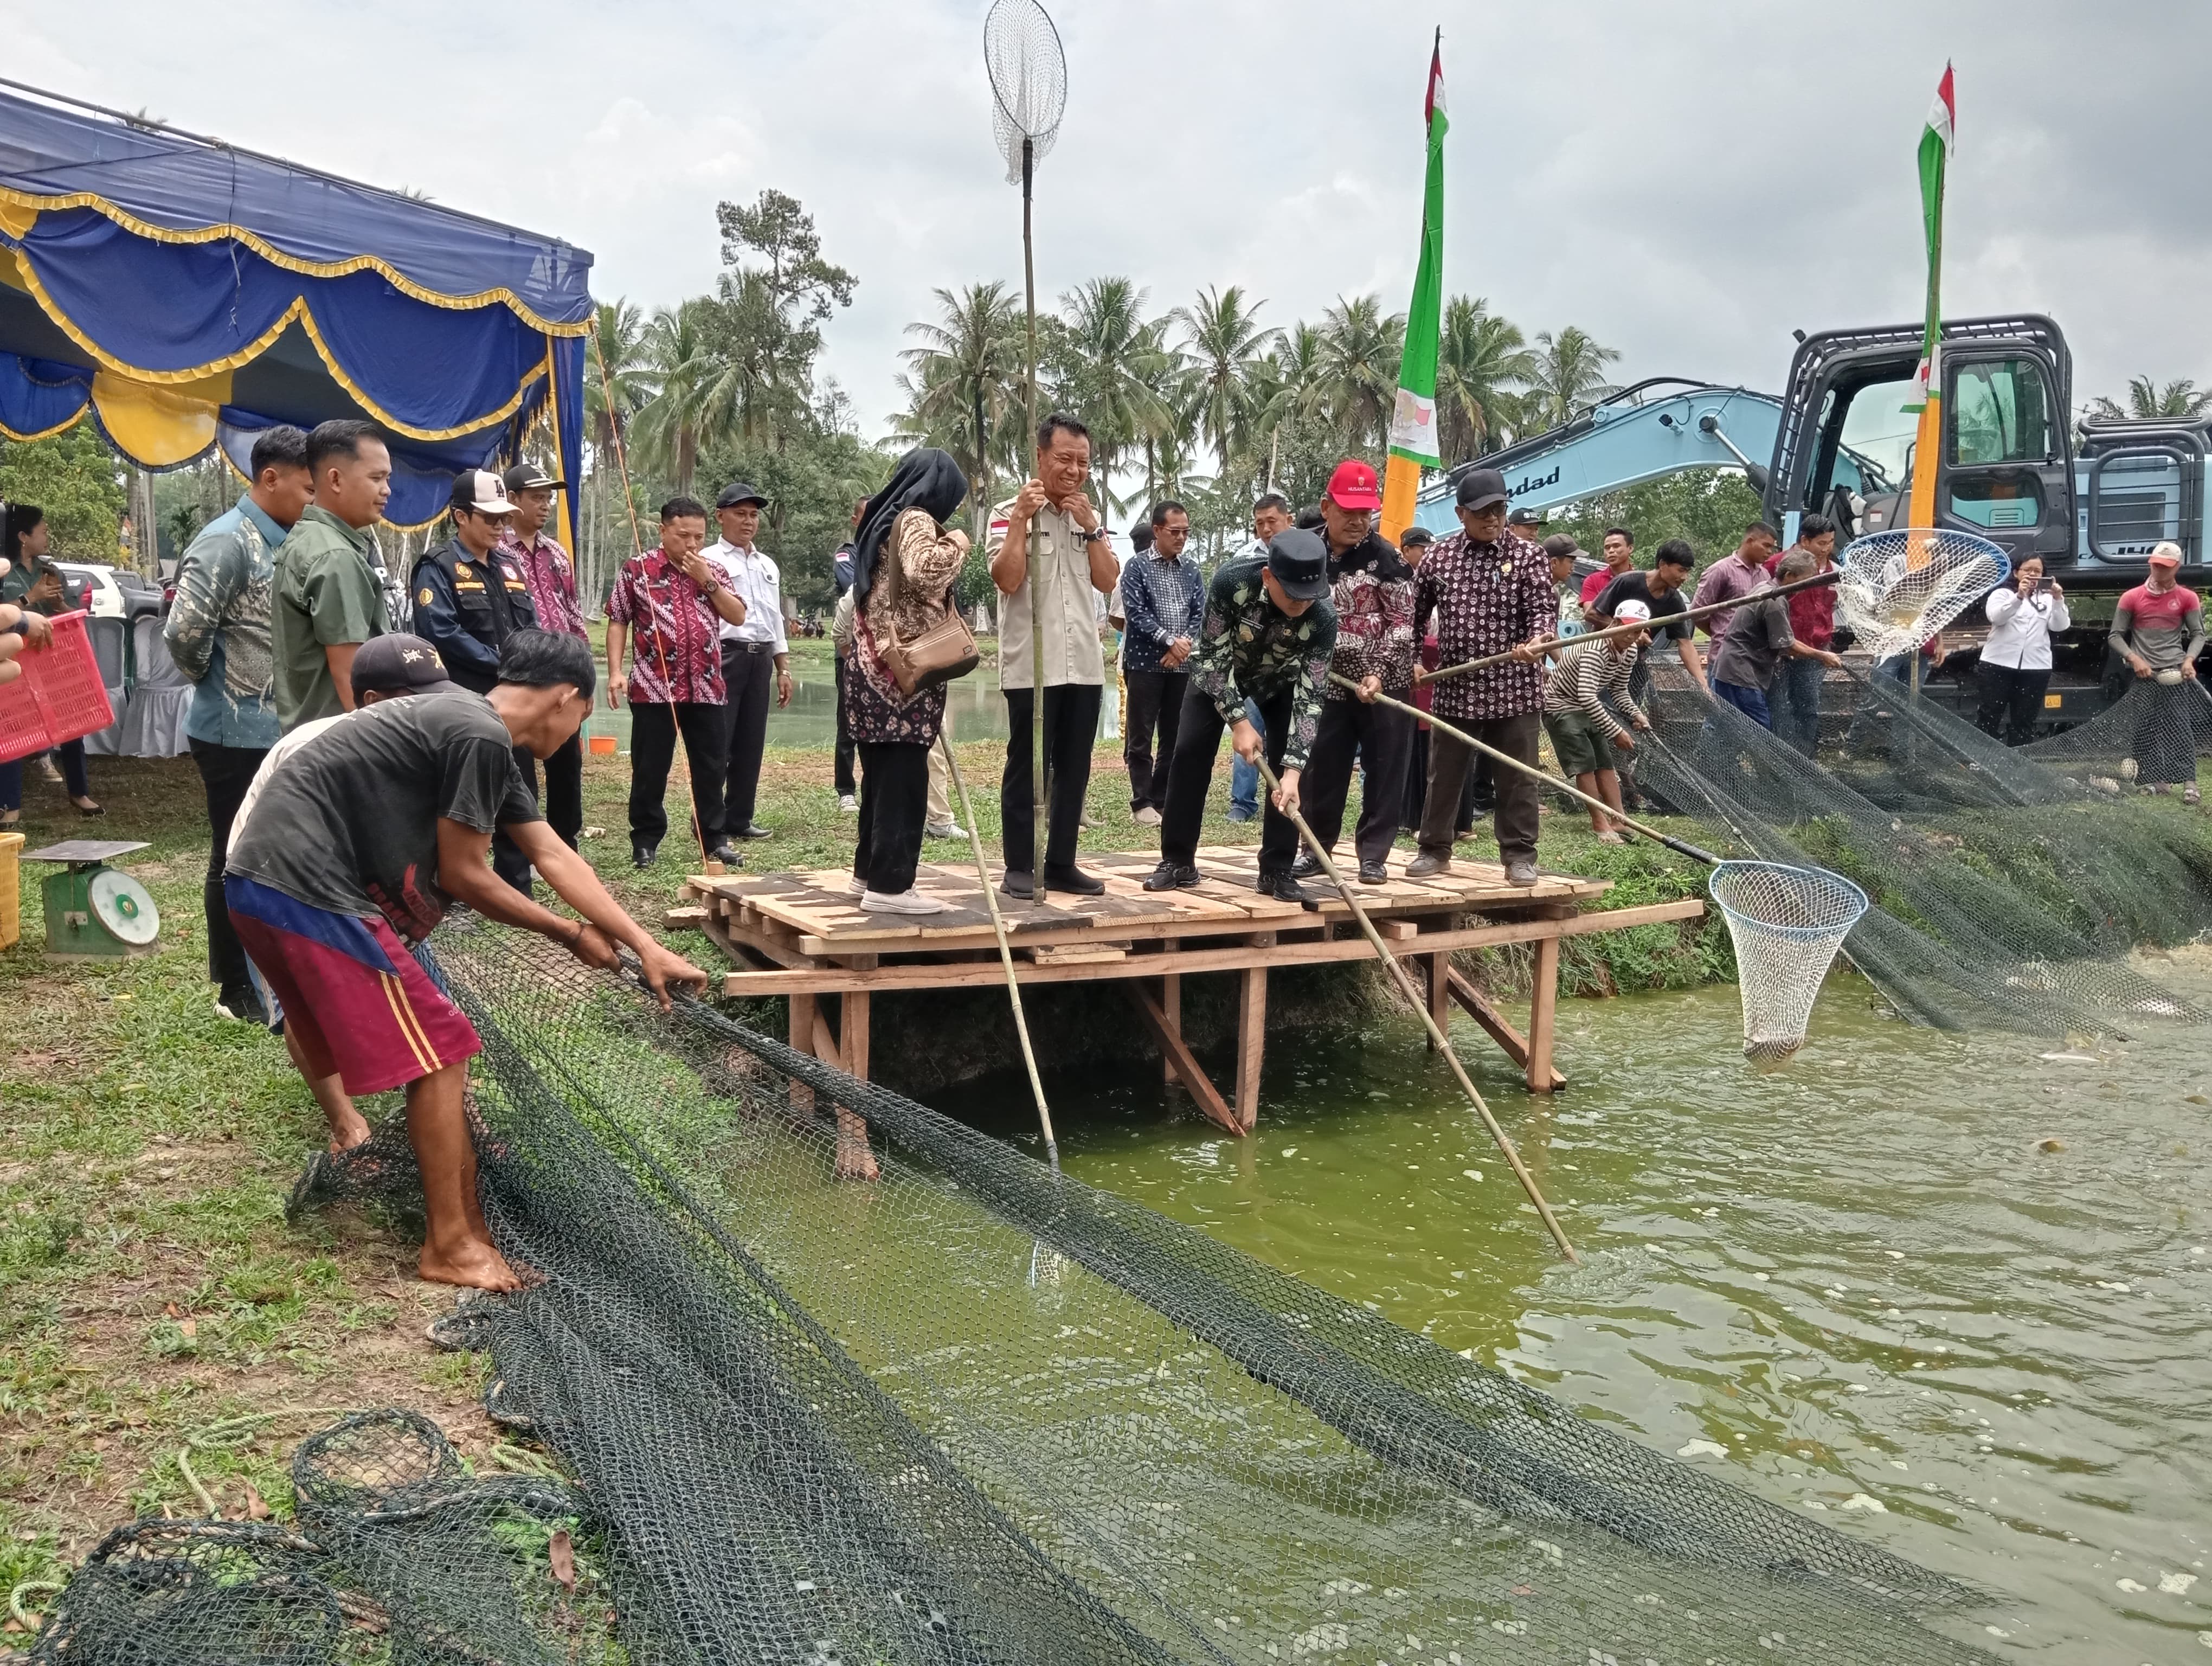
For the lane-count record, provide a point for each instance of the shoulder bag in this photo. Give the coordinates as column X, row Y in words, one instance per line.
column 941, row 653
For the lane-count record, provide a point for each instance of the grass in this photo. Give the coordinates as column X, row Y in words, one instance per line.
column 150, row 1288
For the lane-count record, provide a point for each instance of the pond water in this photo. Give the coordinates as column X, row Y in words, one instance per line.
column 1858, row 1285
column 978, row 711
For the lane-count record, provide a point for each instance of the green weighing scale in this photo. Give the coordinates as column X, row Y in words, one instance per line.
column 93, row 911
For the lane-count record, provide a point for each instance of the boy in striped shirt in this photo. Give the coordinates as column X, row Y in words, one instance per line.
column 1588, row 683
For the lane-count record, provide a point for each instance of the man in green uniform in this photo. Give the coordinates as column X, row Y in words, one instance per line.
column 329, row 590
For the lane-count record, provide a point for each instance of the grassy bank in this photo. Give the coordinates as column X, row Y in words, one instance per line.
column 150, row 1288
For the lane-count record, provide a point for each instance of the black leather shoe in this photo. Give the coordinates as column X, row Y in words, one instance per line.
column 1306, row 866
column 1074, row 881
column 1284, row 888
column 1171, row 876
column 752, row 830
column 1374, row 873
column 643, row 854
column 726, row 853
column 1017, row 883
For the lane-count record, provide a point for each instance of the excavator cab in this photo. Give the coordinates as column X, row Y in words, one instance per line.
column 2006, row 468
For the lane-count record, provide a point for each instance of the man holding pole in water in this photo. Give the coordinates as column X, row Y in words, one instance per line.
column 1491, row 593
column 1059, row 641
column 1268, row 635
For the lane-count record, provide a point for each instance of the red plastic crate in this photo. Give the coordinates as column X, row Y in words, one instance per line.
column 61, row 694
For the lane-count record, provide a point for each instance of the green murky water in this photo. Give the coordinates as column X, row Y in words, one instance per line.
column 1857, row 1286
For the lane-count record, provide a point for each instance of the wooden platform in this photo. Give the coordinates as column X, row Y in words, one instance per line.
column 804, row 936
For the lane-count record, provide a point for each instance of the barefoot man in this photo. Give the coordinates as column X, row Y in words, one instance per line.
column 361, row 843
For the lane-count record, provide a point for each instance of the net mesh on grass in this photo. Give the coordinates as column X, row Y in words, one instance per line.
column 1786, row 924
column 2011, row 889
column 1898, row 589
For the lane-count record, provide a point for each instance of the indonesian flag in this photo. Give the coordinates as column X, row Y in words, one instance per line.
column 1935, row 141
column 1412, row 439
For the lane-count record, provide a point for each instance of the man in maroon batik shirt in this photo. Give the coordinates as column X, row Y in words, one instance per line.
column 550, row 576
column 674, row 602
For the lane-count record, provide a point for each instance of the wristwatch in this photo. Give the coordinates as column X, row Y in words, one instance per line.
column 1094, row 533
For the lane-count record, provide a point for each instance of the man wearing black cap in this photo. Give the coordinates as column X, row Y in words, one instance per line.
column 1490, row 593
column 552, row 576
column 1525, row 523
column 1268, row 634
column 747, row 650
column 471, row 595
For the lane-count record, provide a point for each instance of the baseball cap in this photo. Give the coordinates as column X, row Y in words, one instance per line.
column 1299, row 561
column 1480, row 487
column 1525, row 518
column 481, row 492
column 1632, row 612
column 396, row 664
column 2166, row 555
column 1352, row 486
column 528, row 478
column 737, row 492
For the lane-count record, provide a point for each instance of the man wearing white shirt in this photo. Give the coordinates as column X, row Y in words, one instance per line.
column 747, row 650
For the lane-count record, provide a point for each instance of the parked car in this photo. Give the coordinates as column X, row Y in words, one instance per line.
column 108, row 592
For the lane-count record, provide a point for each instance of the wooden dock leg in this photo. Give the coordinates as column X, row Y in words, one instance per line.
column 802, row 1041
column 852, row 1019
column 1251, row 1045
column 1183, row 1067
column 1171, row 1009
column 1510, row 1040
column 1543, row 1005
column 1439, row 994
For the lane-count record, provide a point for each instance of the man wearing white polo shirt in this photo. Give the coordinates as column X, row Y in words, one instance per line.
column 747, row 651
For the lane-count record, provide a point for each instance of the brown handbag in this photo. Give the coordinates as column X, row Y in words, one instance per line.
column 941, row 653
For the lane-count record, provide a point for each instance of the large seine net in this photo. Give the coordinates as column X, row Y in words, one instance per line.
column 1900, row 588
column 1029, row 81
column 1786, row 924
column 815, row 1421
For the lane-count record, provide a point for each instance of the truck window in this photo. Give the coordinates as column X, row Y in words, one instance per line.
column 2000, row 413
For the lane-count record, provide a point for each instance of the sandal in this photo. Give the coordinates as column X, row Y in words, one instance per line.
column 90, row 809
column 2191, row 795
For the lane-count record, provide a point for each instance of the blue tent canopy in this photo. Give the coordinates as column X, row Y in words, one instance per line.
column 184, row 294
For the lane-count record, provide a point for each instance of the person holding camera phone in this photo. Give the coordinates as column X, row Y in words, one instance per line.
column 2015, row 669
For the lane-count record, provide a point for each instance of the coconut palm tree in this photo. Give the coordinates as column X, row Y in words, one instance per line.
column 2148, row 402
column 1361, row 349
column 677, row 359
column 1570, row 375
column 618, row 381
column 964, row 384
column 1224, row 341
column 1111, row 363
column 1480, row 357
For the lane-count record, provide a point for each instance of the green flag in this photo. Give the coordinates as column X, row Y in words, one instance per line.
column 1934, row 155
column 1412, row 444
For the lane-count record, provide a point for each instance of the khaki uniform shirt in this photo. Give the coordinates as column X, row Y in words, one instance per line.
column 327, row 593
column 1062, row 558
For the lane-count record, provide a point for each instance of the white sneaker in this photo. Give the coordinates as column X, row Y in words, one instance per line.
column 1147, row 817
column 907, row 902
column 945, row 830
column 856, row 887
column 847, row 803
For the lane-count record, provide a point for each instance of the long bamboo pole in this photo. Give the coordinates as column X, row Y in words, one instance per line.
column 1037, row 784
column 1611, row 632
column 1681, row 846
column 1436, row 1031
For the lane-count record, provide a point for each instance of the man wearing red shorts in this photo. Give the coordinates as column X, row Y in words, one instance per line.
column 358, row 845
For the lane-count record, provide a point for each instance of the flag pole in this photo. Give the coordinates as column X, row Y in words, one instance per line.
column 1411, row 443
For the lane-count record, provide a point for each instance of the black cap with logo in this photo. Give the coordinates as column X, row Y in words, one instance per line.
column 396, row 664
column 528, row 478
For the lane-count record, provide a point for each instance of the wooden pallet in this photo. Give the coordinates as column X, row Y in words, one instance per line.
column 803, row 935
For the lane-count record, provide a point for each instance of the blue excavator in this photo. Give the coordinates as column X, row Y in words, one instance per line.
column 2092, row 499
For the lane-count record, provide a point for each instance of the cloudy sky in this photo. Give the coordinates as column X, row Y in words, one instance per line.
column 1686, row 182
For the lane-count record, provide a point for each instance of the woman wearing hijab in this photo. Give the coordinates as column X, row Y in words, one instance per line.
column 905, row 563
column 33, row 583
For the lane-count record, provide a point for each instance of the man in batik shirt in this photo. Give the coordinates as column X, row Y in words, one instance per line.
column 1491, row 593
column 1268, row 634
column 674, row 601
column 551, row 577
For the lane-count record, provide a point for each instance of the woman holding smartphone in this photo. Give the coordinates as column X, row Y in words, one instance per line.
column 2024, row 615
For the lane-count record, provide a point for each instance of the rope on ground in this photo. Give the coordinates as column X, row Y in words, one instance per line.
column 218, row 1437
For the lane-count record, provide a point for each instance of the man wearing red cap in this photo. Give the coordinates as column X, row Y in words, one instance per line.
column 1371, row 588
column 1491, row 594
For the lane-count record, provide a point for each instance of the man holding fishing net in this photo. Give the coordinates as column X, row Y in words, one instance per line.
column 2157, row 629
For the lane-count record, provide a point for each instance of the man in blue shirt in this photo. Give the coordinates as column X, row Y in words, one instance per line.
column 218, row 633
column 1163, row 605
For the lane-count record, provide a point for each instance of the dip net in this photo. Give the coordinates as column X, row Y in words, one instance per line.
column 1898, row 589
column 1786, row 924
column 808, row 1421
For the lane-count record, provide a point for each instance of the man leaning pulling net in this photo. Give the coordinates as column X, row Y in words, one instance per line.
column 1268, row 634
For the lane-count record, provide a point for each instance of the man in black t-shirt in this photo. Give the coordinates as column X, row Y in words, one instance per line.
column 1664, row 590
column 359, row 843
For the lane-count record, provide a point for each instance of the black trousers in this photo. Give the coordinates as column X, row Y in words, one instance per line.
column 507, row 858
column 1450, row 765
column 844, row 766
column 1155, row 703
column 750, row 676
column 653, row 730
column 564, row 791
column 225, row 772
column 894, row 804
column 2011, row 699
column 1417, row 781
column 1070, row 723
column 1383, row 739
column 1190, row 779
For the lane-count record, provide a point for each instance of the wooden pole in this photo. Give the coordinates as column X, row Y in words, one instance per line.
column 1441, row 1041
column 1035, row 578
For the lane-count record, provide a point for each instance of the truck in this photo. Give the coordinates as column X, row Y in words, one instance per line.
column 2092, row 498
